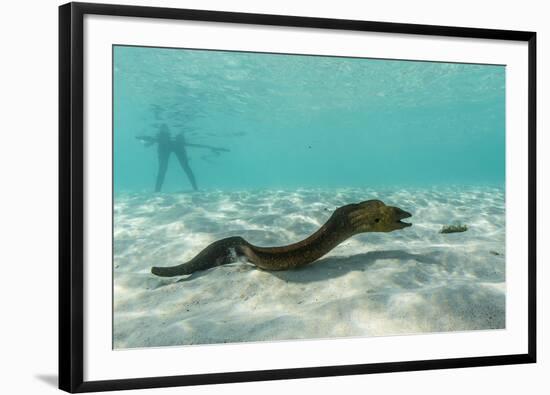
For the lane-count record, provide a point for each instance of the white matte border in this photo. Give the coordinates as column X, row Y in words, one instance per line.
column 101, row 362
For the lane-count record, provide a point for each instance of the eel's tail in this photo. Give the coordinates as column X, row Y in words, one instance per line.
column 219, row 253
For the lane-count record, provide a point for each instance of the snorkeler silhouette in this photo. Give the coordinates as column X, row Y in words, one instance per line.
column 167, row 145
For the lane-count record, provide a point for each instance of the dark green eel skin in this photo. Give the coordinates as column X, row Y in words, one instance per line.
column 346, row 221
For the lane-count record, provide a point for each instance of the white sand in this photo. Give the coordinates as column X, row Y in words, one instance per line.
column 408, row 281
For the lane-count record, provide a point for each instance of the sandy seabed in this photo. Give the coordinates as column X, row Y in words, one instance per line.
column 414, row 280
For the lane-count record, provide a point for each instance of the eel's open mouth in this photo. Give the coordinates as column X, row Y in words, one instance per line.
column 402, row 215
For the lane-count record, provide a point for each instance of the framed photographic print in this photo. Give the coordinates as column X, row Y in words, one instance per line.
column 253, row 197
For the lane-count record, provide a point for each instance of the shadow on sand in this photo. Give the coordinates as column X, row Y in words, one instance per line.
column 333, row 267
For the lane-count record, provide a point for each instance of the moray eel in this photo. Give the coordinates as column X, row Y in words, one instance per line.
column 345, row 222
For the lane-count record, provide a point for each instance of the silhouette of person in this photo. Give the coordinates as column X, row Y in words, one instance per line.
column 167, row 145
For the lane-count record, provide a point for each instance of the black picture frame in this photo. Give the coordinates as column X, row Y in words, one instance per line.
column 71, row 195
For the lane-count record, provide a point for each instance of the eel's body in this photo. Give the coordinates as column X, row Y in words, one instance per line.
column 346, row 221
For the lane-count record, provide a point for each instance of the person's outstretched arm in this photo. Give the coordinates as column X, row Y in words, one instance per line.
column 208, row 147
column 147, row 140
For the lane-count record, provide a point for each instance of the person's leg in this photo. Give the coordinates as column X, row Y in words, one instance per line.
column 163, row 165
column 182, row 158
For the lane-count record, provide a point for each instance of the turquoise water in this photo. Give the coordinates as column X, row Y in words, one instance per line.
column 293, row 121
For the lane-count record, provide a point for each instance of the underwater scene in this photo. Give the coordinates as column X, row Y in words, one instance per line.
column 268, row 197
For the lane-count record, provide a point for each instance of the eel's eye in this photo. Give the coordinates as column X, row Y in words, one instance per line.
column 377, row 220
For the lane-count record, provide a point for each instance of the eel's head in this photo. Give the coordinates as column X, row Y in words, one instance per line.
column 374, row 216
